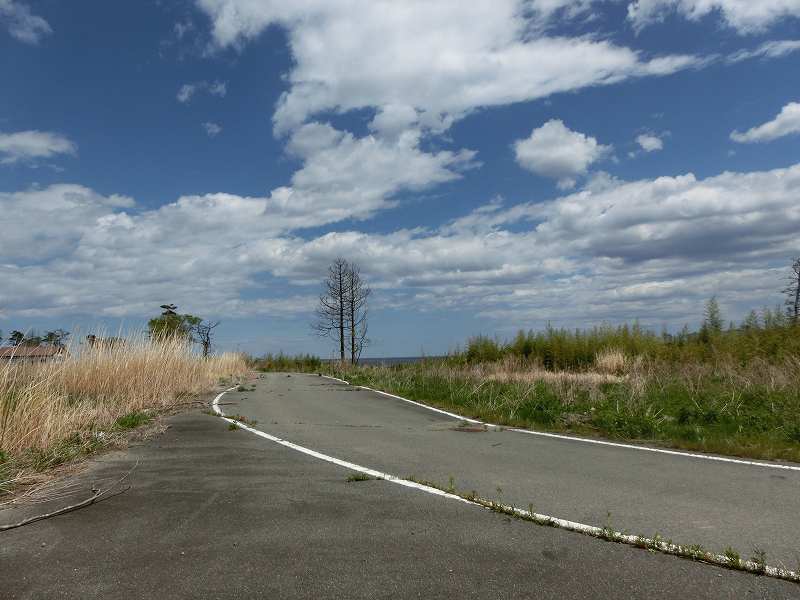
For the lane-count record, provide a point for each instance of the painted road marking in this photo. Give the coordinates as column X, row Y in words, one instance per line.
column 592, row 530
column 725, row 459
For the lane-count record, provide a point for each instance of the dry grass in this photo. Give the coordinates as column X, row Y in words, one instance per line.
column 611, row 360
column 44, row 404
column 518, row 371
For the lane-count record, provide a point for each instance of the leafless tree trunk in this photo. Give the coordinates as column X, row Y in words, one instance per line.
column 793, row 292
column 356, row 294
column 332, row 311
column 204, row 333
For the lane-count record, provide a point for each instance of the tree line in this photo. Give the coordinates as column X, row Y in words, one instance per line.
column 56, row 338
column 168, row 325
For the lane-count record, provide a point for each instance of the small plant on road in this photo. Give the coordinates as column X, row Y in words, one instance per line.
column 759, row 558
column 734, row 558
column 353, row 477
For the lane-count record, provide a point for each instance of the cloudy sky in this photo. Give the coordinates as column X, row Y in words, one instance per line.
column 491, row 164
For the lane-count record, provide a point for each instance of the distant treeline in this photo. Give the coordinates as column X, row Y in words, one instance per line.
column 57, row 337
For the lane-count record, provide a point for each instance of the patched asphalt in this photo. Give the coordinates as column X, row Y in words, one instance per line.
column 215, row 513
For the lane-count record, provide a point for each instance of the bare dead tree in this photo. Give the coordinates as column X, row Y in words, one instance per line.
column 356, row 294
column 331, row 314
column 792, row 292
column 204, row 332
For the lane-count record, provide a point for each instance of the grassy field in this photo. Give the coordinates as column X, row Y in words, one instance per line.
column 53, row 412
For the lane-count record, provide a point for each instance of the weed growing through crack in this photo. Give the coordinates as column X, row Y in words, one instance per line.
column 759, row 558
column 730, row 558
column 734, row 558
column 232, row 426
column 243, row 419
column 353, row 477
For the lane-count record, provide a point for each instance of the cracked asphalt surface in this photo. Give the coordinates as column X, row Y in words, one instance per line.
column 215, row 513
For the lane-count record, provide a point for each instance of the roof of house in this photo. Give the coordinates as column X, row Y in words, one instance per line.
column 30, row 351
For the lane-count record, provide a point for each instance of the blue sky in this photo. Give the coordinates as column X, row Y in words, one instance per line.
column 491, row 167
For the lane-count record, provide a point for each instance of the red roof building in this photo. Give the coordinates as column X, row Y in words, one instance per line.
column 32, row 353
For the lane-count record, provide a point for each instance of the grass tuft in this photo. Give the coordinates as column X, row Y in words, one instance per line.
column 353, row 477
column 133, row 420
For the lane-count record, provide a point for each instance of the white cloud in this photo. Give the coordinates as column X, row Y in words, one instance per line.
column 188, row 90
column 650, row 142
column 212, row 129
column 786, row 123
column 348, row 177
column 441, row 59
column 21, row 23
column 746, row 16
column 771, row 49
column 31, row 145
column 42, row 224
column 185, row 92
column 653, row 249
column 553, row 150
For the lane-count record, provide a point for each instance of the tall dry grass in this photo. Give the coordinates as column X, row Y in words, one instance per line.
column 42, row 404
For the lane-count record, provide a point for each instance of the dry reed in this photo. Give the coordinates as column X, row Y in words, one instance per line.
column 43, row 404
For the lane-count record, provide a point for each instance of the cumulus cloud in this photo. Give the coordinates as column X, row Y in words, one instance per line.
column 188, row 90
column 553, row 150
column 344, row 176
column 746, row 16
column 43, row 224
column 786, row 123
column 212, row 129
column 30, row 145
column 21, row 23
column 649, row 142
column 440, row 59
column 653, row 249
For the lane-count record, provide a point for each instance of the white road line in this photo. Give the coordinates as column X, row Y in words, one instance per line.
column 724, row 459
column 331, row 459
column 592, row 530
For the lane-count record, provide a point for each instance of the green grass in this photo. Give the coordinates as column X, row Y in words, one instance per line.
column 132, row 420
column 301, row 363
column 354, row 477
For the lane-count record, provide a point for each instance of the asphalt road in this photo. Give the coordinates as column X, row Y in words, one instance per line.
column 216, row 513
column 688, row 500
